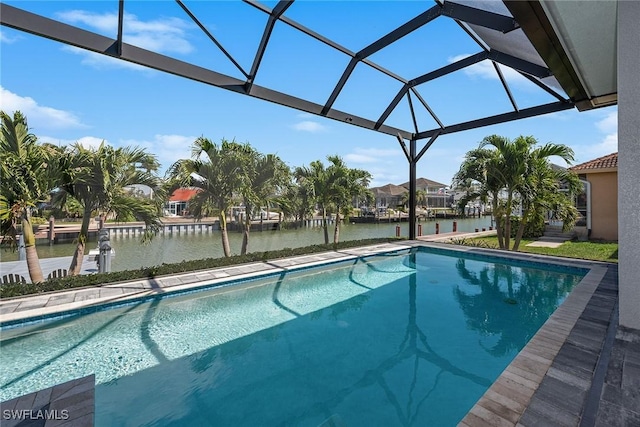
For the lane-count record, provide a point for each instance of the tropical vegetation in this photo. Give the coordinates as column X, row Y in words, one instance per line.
column 91, row 181
column 263, row 179
column 99, row 179
column 517, row 175
column 217, row 173
column 334, row 188
column 27, row 177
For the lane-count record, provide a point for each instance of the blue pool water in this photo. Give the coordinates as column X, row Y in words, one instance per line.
column 403, row 339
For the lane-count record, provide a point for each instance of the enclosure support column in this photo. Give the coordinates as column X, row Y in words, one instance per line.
column 413, row 158
column 413, row 161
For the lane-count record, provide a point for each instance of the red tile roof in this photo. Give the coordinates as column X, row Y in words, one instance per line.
column 606, row 162
column 183, row 194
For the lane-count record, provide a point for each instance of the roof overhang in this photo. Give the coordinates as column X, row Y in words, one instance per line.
column 577, row 40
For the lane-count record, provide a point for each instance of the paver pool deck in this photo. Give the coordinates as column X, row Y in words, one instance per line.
column 580, row 369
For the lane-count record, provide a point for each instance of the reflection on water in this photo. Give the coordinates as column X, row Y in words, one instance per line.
column 131, row 254
column 500, row 298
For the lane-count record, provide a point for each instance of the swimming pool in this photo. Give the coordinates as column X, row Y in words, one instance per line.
column 401, row 339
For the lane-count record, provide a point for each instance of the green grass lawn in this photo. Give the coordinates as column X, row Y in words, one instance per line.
column 583, row 250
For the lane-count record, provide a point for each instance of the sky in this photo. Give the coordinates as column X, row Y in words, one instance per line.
column 70, row 95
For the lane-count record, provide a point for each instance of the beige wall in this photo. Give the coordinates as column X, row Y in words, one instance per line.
column 604, row 205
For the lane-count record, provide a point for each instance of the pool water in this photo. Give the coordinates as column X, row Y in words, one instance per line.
column 403, row 339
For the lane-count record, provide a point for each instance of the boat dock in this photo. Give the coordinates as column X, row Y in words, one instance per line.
column 69, row 232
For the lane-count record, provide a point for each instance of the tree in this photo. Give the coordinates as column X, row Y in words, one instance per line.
column 217, row 172
column 296, row 200
column 316, row 178
column 516, row 173
column 541, row 192
column 263, row 176
column 347, row 185
column 477, row 178
column 334, row 188
column 97, row 179
column 27, row 178
column 404, row 200
column 421, row 197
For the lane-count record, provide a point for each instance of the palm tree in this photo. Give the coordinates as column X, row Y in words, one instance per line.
column 540, row 192
column 478, row 168
column 97, row 179
column 334, row 188
column 347, row 184
column 217, row 172
column 263, row 177
column 316, row 178
column 508, row 170
column 296, row 200
column 421, row 197
column 27, row 177
column 404, row 200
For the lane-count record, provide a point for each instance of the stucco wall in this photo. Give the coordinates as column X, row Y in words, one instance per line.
column 628, row 162
column 604, row 205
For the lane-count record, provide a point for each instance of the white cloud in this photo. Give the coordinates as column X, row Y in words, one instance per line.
column 4, row 38
column 39, row 117
column 309, row 126
column 85, row 141
column 106, row 22
column 371, row 155
column 609, row 123
column 382, row 175
column 485, row 70
column 162, row 35
column 101, row 62
column 168, row 148
column 608, row 143
column 385, row 165
column 91, row 141
column 360, row 158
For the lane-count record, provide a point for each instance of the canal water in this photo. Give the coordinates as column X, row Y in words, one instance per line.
column 131, row 254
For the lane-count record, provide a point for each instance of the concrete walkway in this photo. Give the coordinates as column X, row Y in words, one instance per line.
column 553, row 237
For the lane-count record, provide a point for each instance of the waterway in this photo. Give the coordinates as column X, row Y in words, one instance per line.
column 172, row 248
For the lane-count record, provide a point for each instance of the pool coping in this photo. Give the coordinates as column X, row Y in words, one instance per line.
column 505, row 403
column 47, row 306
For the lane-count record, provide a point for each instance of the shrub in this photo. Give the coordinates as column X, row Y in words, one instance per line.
column 476, row 243
column 532, row 229
column 36, row 220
